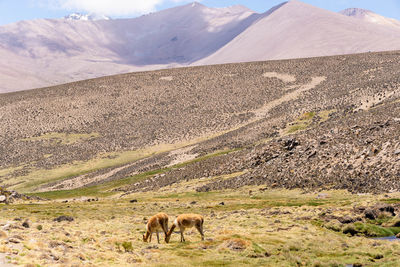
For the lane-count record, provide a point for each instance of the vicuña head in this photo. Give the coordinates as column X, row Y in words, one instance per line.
column 155, row 224
column 186, row 221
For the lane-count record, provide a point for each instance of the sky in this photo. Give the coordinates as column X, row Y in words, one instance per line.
column 15, row 10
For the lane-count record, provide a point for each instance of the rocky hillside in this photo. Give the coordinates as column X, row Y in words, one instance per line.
column 319, row 123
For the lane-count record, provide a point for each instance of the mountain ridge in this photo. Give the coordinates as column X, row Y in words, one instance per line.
column 49, row 52
column 369, row 16
column 322, row 33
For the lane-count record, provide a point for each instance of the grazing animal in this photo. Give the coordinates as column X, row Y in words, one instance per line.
column 186, row 221
column 155, row 224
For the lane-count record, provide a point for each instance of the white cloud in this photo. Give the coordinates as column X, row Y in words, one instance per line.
column 107, row 7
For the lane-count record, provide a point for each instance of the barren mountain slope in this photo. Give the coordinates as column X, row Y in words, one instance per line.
column 106, row 129
column 48, row 52
column 296, row 30
column 45, row 52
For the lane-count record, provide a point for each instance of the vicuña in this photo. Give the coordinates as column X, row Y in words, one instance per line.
column 186, row 221
column 155, row 224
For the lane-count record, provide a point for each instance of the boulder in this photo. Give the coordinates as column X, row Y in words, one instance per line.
column 26, row 224
column 64, row 218
column 373, row 213
column 3, row 198
column 386, row 208
column 290, row 144
column 370, row 214
column 347, row 220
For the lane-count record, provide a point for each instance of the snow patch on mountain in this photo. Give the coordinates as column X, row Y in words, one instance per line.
column 86, row 17
column 370, row 16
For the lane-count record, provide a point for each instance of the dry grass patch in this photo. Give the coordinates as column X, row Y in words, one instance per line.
column 268, row 228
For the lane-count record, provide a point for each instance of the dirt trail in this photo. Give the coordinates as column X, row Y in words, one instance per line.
column 263, row 111
column 182, row 155
column 287, row 78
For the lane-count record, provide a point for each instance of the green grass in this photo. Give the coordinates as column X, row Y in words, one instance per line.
column 38, row 177
column 302, row 123
column 288, row 241
column 104, row 190
column 368, row 230
column 391, row 200
column 306, row 119
column 325, row 114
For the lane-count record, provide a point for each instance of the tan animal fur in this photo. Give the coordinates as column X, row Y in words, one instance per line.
column 185, row 221
column 155, row 224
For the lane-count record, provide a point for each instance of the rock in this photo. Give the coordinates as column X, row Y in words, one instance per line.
column 55, row 257
column 346, row 220
column 373, row 213
column 398, row 235
column 133, row 201
column 370, row 214
column 397, row 152
column 386, row 208
column 193, row 202
column 350, row 229
column 54, row 244
column 3, row 199
column 26, row 224
column 236, row 244
column 14, row 240
column 290, row 144
column 64, row 218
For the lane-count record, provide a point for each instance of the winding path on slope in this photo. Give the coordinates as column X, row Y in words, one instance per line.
column 263, row 111
column 260, row 113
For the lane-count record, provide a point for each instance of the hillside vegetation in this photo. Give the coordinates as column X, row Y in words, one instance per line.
column 292, row 163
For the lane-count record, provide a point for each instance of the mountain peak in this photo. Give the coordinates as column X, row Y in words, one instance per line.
column 355, row 12
column 195, row 5
column 86, row 17
column 369, row 16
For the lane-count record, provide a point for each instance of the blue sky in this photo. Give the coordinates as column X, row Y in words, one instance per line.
column 15, row 10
